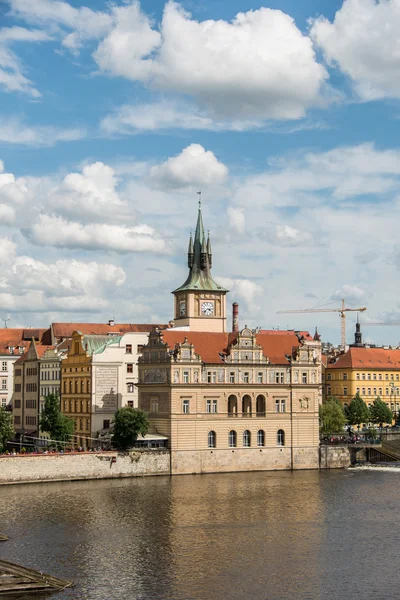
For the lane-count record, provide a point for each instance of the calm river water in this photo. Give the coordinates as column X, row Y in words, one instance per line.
column 304, row 535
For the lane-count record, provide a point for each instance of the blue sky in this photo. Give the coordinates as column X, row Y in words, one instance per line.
column 285, row 114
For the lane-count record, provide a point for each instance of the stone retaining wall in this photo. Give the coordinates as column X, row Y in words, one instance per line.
column 334, row 457
column 63, row 467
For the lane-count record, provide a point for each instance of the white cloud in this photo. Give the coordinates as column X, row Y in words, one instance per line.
column 194, row 166
column 12, row 78
column 237, row 219
column 247, row 292
column 363, row 41
column 59, row 233
column 289, row 236
column 13, row 131
column 351, row 293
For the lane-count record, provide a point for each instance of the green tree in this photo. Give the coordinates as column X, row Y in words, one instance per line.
column 331, row 416
column 357, row 411
column 128, row 423
column 54, row 422
column 6, row 428
column 380, row 413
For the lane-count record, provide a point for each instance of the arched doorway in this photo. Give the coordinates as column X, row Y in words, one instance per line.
column 246, row 406
column 260, row 406
column 232, row 406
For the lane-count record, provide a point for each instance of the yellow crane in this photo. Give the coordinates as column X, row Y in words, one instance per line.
column 342, row 312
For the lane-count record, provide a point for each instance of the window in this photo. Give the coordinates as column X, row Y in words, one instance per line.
column 21, row 349
column 30, row 420
column 214, row 406
column 11, row 349
column 279, row 377
column 185, row 407
column 280, row 437
column 231, row 377
column 106, row 424
column 374, row 375
column 329, row 376
column 392, row 377
column 374, row 391
column 4, row 365
column 369, row 376
column 130, row 403
column 211, row 377
column 387, row 391
column 4, row 384
column 232, row 439
column 380, row 391
column 304, row 377
column 357, row 390
column 397, row 377
column 17, row 420
column 363, row 376
column 246, row 377
column 128, row 348
column 17, row 372
column 246, row 438
column 260, row 438
column 329, row 390
column 357, row 375
column 212, row 439
column 87, row 424
column 280, row 406
column 185, row 376
column 129, row 368
column 344, row 376
column 131, row 388
column 208, row 406
column 30, row 403
column 386, row 376
column 363, row 391
column 259, row 377
column 17, row 403
column 345, row 391
column 17, row 387
column 369, row 391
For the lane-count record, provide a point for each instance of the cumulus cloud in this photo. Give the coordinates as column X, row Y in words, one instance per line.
column 246, row 291
column 13, row 131
column 60, row 233
column 237, row 219
column 258, row 65
column 351, row 293
column 363, row 42
column 194, row 166
column 289, row 236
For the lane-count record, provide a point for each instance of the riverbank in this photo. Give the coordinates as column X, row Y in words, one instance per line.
column 81, row 466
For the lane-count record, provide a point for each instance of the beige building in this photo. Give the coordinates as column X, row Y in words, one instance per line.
column 235, row 401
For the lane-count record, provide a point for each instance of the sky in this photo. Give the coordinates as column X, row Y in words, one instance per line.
column 286, row 116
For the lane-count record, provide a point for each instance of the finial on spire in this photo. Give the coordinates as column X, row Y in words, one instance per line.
column 199, row 195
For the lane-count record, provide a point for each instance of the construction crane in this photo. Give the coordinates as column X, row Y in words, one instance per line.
column 342, row 312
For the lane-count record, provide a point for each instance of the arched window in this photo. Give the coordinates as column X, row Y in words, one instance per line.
column 246, row 405
column 88, row 386
column 232, row 406
column 65, row 387
column 212, row 439
column 76, row 387
column 260, row 437
column 246, row 438
column 82, row 386
column 260, row 406
column 232, row 439
column 70, row 386
column 280, row 437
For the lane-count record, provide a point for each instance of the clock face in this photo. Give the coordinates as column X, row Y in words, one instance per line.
column 182, row 308
column 207, row 308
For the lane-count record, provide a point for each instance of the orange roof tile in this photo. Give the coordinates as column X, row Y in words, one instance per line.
column 20, row 338
column 65, row 330
column 209, row 346
column 367, row 358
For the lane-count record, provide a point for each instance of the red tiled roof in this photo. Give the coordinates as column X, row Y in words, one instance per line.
column 20, row 338
column 209, row 346
column 40, row 349
column 367, row 358
column 65, row 330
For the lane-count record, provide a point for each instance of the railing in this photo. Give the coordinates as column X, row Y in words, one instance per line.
column 358, row 440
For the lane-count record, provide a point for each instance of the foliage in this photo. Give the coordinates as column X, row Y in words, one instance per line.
column 54, row 422
column 357, row 411
column 331, row 416
column 380, row 413
column 6, row 428
column 128, row 423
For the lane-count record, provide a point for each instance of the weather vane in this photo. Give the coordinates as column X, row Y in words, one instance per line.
column 199, row 195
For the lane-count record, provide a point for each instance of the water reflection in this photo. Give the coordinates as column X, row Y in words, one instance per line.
column 237, row 536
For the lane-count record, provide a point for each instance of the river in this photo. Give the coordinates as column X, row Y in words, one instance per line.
column 260, row 536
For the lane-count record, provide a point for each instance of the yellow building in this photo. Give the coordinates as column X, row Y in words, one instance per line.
column 366, row 370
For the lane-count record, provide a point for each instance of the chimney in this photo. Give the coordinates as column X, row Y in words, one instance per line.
column 111, row 322
column 235, row 317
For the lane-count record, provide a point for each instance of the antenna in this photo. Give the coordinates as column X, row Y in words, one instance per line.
column 5, row 322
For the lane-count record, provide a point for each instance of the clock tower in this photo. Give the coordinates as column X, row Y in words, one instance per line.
column 200, row 303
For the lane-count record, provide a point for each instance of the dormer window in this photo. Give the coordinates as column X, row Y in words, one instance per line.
column 11, row 349
column 21, row 349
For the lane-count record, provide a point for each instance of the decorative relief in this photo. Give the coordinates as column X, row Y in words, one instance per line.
column 203, row 376
column 221, row 376
column 271, row 376
column 295, row 377
column 106, row 398
column 176, row 376
column 304, row 403
column 287, row 376
column 196, row 376
column 185, row 353
column 313, row 377
column 155, row 376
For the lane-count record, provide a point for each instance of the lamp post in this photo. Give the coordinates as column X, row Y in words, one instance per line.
column 393, row 392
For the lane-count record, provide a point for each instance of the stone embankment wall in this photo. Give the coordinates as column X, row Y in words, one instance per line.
column 72, row 467
column 334, row 457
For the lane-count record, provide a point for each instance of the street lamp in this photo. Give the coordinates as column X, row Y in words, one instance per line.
column 393, row 392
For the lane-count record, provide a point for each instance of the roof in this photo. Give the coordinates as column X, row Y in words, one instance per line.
column 95, row 344
column 20, row 338
column 200, row 259
column 367, row 358
column 210, row 346
column 40, row 349
column 65, row 330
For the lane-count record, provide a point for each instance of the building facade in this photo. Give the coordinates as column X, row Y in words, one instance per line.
column 246, row 400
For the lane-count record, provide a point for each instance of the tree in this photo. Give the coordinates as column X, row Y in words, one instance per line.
column 331, row 416
column 128, row 423
column 54, row 422
column 380, row 413
column 357, row 412
column 6, row 428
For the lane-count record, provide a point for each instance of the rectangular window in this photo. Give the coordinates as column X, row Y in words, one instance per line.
column 211, row 377
column 246, row 377
column 369, row 376
column 363, row 376
column 374, row 375
column 277, row 405
column 259, row 377
column 283, row 406
column 129, row 368
column 345, row 391
column 4, row 365
column 131, row 388
column 21, row 349
column 329, row 377
column 304, row 377
column 369, row 391
column 17, row 420
column 392, row 377
column 106, row 424
column 386, row 376
column 185, row 407
column 130, row 403
column 357, row 375
column 208, row 406
column 17, row 372
column 363, row 391
column 329, row 390
column 4, row 384
column 231, row 377
column 31, row 404
column 128, row 348
column 30, row 420
column 380, row 391
column 374, row 391
column 214, row 406
column 387, row 391
column 345, row 376
column 185, row 376
column 17, row 403
column 17, row 387
column 11, row 349
column 357, row 390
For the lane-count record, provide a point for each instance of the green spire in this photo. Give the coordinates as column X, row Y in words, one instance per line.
column 199, row 261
